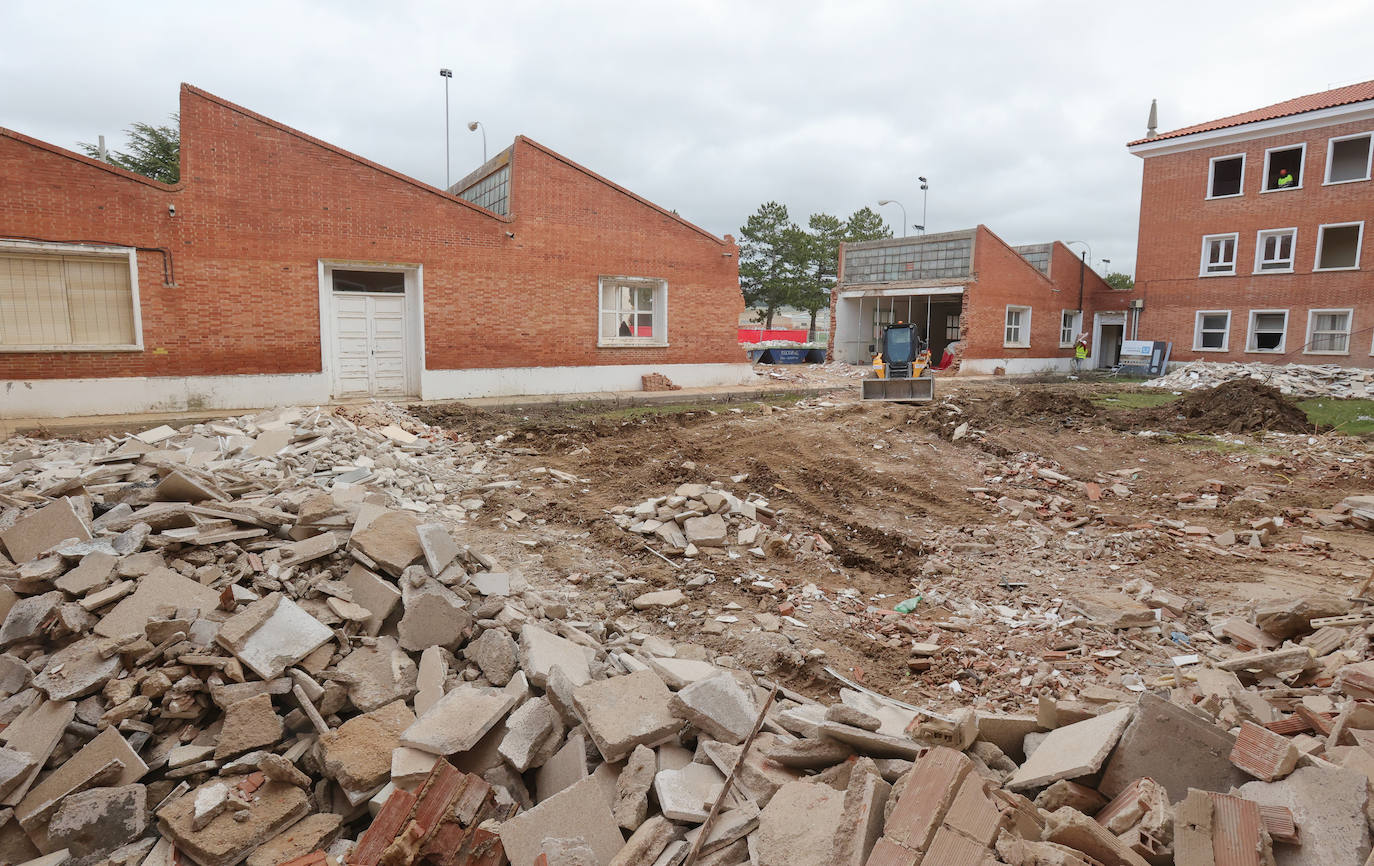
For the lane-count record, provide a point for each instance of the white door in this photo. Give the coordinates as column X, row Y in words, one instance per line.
column 369, row 345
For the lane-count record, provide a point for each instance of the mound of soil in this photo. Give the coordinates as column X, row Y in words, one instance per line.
column 1238, row 406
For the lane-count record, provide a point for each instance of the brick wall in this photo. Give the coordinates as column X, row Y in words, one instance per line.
column 1175, row 215
column 259, row 205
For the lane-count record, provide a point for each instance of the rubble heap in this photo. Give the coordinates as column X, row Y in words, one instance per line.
column 1298, row 380
column 263, row 640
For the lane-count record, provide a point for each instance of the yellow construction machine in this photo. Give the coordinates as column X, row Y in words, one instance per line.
column 901, row 369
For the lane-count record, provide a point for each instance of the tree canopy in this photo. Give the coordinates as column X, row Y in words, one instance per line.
column 785, row 265
column 154, row 151
column 1119, row 281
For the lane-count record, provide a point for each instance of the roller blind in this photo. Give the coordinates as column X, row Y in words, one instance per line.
column 55, row 300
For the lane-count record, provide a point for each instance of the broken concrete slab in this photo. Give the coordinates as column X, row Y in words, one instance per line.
column 686, row 794
column 799, row 825
column 155, row 590
column 372, row 592
column 434, row 616
column 623, row 712
column 578, row 811
column 718, row 706
column 1072, row 751
column 663, row 598
column 1178, row 748
column 392, row 541
column 76, row 670
column 229, row 839
column 95, row 822
column 566, row 768
column 438, row 546
column 15, row 766
column 530, row 732
column 459, row 720
column 26, row 618
column 95, row 571
column 107, row 759
column 36, row 532
column 632, row 788
column 36, row 732
column 1329, row 804
column 378, row 674
column 1081, row 833
column 358, row 753
column 496, row 654
column 708, row 531
column 271, row 634
column 312, row 833
column 249, row 725
column 861, row 822
column 680, row 673
column 541, row 651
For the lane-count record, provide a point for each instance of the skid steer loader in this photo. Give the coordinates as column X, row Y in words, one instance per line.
column 901, row 370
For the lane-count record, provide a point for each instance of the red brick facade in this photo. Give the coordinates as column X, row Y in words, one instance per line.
column 1176, row 214
column 259, row 206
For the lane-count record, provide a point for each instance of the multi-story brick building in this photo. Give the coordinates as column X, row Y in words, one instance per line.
column 1018, row 309
column 282, row 269
column 1254, row 233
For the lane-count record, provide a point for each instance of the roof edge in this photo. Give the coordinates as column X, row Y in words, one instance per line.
column 122, row 173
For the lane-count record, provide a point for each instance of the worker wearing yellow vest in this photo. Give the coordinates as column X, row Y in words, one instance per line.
column 1285, row 179
column 1080, row 353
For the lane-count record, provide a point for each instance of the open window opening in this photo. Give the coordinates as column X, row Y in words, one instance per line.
column 386, row 282
column 1338, row 246
column 1283, row 168
column 1267, row 330
column 1226, row 175
column 1348, row 158
column 1070, row 326
column 1213, row 331
column 1017, row 327
column 1274, row 250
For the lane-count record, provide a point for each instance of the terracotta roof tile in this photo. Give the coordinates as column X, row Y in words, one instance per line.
column 1312, row 102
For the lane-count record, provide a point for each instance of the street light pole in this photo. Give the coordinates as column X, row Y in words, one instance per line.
column 925, row 189
column 1082, row 271
column 446, row 74
column 888, row 201
column 473, row 127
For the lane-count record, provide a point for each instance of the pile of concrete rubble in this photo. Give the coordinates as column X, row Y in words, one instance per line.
column 263, row 640
column 1299, row 380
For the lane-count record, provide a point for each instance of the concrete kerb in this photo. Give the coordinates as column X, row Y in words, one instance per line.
column 78, row 425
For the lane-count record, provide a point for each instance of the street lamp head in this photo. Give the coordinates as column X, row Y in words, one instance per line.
column 884, row 201
column 446, row 73
column 924, row 187
column 922, row 180
column 472, row 126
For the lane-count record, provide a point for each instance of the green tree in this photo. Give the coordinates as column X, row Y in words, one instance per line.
column 865, row 224
column 772, row 261
column 822, row 254
column 154, row 151
column 1119, row 281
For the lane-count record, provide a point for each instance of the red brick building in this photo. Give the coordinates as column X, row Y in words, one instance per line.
column 1018, row 309
column 1255, row 233
column 283, row 270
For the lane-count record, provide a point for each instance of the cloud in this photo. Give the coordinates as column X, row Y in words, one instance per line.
column 1017, row 111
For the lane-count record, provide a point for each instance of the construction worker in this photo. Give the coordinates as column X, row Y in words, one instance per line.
column 1285, row 179
column 1080, row 353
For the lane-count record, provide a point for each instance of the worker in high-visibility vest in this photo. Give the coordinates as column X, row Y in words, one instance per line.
column 1080, row 354
column 1285, row 179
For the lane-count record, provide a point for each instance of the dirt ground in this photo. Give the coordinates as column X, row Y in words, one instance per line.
column 1001, row 505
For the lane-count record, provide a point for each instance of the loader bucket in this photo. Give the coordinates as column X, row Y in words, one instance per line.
column 918, row 390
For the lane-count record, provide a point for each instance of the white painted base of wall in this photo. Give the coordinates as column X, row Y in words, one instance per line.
column 1014, row 366
column 521, row 381
column 64, row 398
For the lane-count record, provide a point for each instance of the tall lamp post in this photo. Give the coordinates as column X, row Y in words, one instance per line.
column 473, row 126
column 446, row 74
column 888, row 201
column 925, row 190
column 1082, row 268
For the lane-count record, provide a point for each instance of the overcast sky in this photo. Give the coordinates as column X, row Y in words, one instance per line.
column 1017, row 112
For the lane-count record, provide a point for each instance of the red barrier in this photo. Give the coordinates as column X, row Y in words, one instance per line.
column 760, row 335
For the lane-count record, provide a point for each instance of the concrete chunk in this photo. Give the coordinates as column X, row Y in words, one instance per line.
column 624, row 712
column 98, row 821
column 248, row 725
column 358, row 754
column 1178, row 748
column 799, row 825
column 35, row 533
column 312, row 833
column 438, row 546
column 158, row 588
column 107, row 759
column 496, row 653
column 229, row 838
column 719, row 706
column 1072, row 751
column 379, row 596
column 272, row 634
column 530, row 730
column 686, row 794
column 708, row 531
column 632, row 788
column 1329, row 804
column 26, row 617
column 579, row 811
column 458, row 720
column 391, row 540
column 541, row 651
column 434, row 616
column 566, row 768
column 378, row 674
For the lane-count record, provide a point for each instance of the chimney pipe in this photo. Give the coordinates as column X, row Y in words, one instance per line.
column 1153, row 123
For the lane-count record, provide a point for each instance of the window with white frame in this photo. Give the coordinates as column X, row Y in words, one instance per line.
column 1274, row 250
column 1069, row 326
column 68, row 298
column 1212, row 331
column 1226, row 176
column 1267, row 331
column 1328, row 332
column 634, row 311
column 1283, row 167
column 1219, row 255
column 1018, row 327
column 1338, row 246
column 1348, row 158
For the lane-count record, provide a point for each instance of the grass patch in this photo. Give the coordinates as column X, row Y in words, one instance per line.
column 1354, row 417
column 1132, row 399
